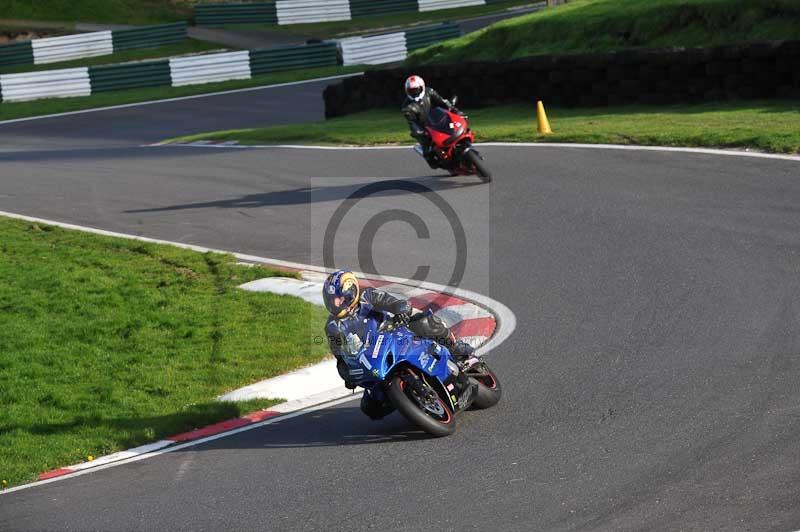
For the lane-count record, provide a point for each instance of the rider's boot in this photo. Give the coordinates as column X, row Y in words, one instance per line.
column 430, row 157
column 432, row 162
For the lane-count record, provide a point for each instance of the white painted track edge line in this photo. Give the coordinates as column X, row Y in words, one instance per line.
column 622, row 147
column 636, row 147
column 121, row 455
column 505, row 325
column 167, row 144
column 177, row 99
column 192, row 443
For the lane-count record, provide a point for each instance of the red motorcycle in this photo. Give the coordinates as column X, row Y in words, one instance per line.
column 451, row 144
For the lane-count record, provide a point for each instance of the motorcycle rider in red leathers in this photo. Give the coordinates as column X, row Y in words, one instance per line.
column 416, row 107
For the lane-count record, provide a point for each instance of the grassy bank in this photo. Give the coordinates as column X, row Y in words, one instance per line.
column 109, row 343
column 12, row 110
column 189, row 46
column 772, row 126
column 108, row 11
column 604, row 25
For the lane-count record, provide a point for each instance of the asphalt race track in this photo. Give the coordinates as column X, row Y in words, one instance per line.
column 651, row 383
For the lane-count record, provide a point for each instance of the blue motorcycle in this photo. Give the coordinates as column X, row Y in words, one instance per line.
column 419, row 377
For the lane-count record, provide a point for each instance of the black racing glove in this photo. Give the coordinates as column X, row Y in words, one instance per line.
column 419, row 133
column 402, row 319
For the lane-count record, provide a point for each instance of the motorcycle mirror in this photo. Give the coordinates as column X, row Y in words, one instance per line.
column 455, row 99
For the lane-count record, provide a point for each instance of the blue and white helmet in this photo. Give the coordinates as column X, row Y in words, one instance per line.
column 340, row 292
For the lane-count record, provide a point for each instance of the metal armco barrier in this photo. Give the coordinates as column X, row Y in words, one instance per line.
column 376, row 50
column 433, row 5
column 20, row 53
column 48, row 84
column 56, row 49
column 310, row 11
column 68, row 47
column 130, row 76
column 280, row 58
column 307, row 11
column 393, row 47
column 175, row 72
column 367, row 8
column 209, row 68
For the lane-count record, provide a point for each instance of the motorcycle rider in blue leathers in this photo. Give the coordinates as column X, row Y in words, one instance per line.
column 350, row 307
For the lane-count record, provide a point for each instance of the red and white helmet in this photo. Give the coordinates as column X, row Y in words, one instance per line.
column 415, row 88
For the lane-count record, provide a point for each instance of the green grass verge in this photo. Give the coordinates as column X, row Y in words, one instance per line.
column 189, row 46
column 12, row 110
column 324, row 30
column 772, row 126
column 108, row 343
column 109, row 11
column 604, row 25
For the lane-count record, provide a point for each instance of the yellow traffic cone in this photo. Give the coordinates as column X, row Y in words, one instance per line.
column 541, row 117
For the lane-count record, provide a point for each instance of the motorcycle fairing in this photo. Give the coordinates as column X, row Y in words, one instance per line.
column 402, row 346
column 445, row 126
column 383, row 351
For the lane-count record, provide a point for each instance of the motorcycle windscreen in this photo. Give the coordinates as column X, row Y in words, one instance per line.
column 441, row 121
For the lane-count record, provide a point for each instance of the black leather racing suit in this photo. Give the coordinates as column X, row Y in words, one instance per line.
column 416, row 114
column 344, row 335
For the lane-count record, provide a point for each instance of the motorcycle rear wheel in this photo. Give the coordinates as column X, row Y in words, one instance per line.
column 425, row 410
column 480, row 167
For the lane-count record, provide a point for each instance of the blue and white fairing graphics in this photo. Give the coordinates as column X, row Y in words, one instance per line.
column 382, row 351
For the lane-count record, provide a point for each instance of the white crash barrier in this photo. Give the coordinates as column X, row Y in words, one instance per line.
column 375, row 50
column 306, row 11
column 209, row 68
column 68, row 47
column 63, row 83
column 433, row 5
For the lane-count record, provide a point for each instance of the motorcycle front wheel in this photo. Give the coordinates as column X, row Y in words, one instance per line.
column 420, row 404
column 489, row 390
column 480, row 167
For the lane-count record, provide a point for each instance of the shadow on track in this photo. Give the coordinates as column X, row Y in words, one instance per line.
column 321, row 428
column 309, row 195
column 334, row 427
column 329, row 427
